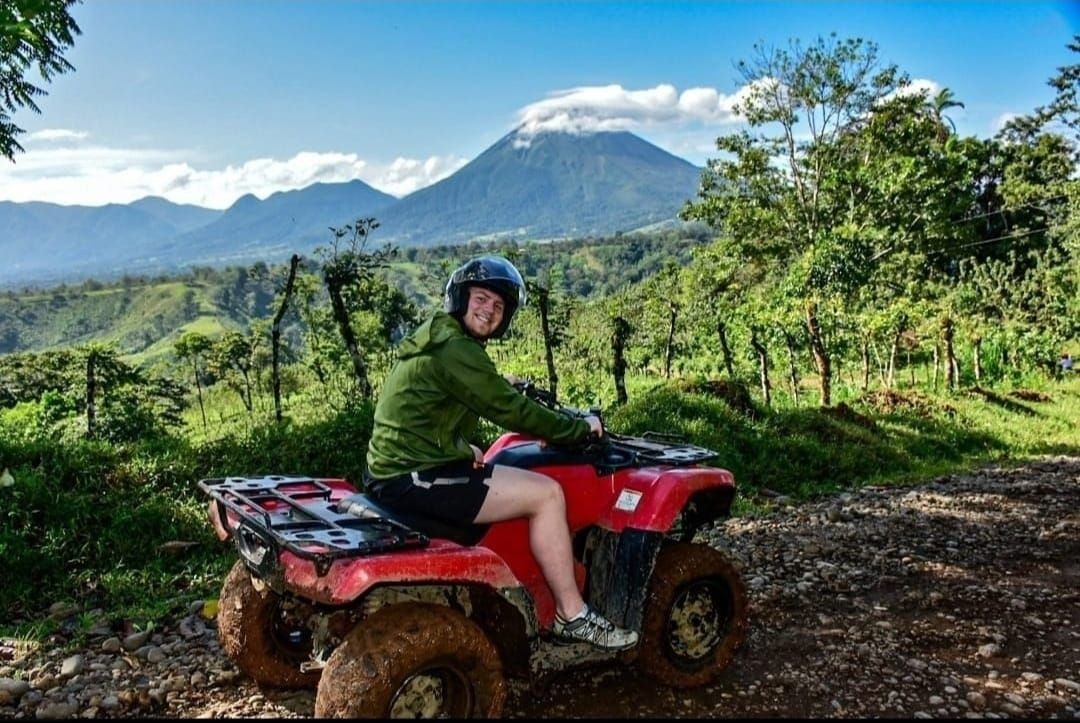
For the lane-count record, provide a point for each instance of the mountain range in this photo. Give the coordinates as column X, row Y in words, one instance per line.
column 545, row 186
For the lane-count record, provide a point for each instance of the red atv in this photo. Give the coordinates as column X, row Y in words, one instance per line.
column 395, row 615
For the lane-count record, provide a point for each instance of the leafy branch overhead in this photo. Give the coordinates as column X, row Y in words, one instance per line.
column 33, row 34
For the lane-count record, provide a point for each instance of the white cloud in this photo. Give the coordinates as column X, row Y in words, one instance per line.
column 612, row 107
column 56, row 134
column 96, row 175
column 916, row 86
column 1002, row 119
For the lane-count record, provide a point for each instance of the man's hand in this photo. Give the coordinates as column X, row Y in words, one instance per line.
column 478, row 456
column 596, row 427
column 513, row 379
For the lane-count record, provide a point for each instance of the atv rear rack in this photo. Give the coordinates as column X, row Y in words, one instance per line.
column 297, row 514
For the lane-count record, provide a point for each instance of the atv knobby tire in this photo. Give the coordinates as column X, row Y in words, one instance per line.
column 252, row 635
column 695, row 616
column 374, row 672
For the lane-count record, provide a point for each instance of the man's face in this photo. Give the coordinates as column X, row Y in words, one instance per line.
column 484, row 312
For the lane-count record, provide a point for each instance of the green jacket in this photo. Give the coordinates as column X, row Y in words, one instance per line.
column 432, row 399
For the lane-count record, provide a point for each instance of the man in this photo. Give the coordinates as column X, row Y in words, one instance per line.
column 419, row 459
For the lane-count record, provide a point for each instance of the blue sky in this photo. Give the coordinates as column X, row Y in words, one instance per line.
column 201, row 101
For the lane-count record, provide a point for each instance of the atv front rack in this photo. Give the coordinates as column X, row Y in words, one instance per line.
column 657, row 448
column 269, row 514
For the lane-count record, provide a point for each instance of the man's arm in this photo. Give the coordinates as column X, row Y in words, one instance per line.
column 471, row 377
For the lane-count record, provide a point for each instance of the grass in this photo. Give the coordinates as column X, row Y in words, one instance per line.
column 85, row 522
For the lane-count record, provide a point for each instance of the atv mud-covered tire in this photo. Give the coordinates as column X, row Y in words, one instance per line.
column 255, row 636
column 695, row 616
column 413, row 660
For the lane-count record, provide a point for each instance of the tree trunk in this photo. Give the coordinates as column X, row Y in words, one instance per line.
column 198, row 389
column 341, row 316
column 821, row 355
column 793, row 373
column 247, row 395
column 544, row 301
column 901, row 324
column 91, row 394
column 866, row 364
column 880, row 364
column 729, row 365
column 976, row 352
column 937, row 363
column 910, row 367
column 275, row 335
column 951, row 367
column 763, row 367
column 670, row 350
column 618, row 345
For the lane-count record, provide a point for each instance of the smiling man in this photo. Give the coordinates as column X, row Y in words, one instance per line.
column 419, row 458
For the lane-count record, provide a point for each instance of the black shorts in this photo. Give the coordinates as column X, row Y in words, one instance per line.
column 452, row 492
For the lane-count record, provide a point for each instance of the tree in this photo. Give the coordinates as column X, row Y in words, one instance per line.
column 275, row 332
column 32, row 33
column 345, row 268
column 230, row 359
column 193, row 346
column 774, row 198
column 942, row 101
column 553, row 325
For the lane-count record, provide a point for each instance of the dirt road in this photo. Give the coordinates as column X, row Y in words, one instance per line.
column 955, row 598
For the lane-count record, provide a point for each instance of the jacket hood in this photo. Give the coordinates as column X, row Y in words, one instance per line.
column 434, row 332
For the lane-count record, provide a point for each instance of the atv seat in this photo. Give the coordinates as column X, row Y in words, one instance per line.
column 363, row 506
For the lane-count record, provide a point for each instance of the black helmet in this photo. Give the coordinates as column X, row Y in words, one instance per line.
column 491, row 272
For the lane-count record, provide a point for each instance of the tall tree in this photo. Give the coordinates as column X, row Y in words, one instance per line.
column 346, row 265
column 275, row 332
column 32, row 33
column 230, row 359
column 193, row 346
column 772, row 197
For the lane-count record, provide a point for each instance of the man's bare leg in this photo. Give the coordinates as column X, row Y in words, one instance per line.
column 515, row 493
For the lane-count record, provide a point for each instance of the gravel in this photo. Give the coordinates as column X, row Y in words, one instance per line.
column 956, row 598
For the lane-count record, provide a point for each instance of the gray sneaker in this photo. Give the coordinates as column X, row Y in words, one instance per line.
column 591, row 627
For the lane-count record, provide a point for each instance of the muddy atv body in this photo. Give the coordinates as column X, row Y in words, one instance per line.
column 393, row 615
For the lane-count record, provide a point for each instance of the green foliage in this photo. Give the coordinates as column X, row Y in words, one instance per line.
column 33, row 33
column 88, row 519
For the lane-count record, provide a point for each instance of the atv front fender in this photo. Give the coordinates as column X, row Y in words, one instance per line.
column 651, row 501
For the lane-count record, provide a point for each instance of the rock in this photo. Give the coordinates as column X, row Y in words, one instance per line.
column 111, row 645
column 1067, row 684
column 989, row 650
column 56, row 711
column 155, row 655
column 71, row 666
column 61, row 610
column 174, row 547
column 136, row 640
column 14, row 687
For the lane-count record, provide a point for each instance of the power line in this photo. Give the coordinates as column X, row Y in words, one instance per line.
column 1012, row 208
column 989, row 240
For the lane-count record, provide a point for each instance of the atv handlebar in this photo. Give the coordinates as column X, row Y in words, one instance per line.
column 648, row 448
column 547, row 398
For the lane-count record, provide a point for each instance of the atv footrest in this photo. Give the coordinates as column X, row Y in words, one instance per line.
column 298, row 514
